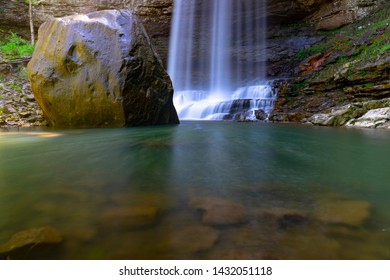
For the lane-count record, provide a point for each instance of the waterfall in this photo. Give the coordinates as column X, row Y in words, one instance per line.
column 217, row 59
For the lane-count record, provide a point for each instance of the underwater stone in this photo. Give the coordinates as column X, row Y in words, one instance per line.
column 308, row 246
column 128, row 217
column 193, row 239
column 100, row 70
column 285, row 217
column 30, row 238
column 218, row 211
column 347, row 212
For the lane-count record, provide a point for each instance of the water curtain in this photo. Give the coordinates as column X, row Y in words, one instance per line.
column 217, row 59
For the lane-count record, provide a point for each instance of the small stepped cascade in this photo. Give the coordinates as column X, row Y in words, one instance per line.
column 217, row 60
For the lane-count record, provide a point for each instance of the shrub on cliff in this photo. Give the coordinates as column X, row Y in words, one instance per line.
column 15, row 47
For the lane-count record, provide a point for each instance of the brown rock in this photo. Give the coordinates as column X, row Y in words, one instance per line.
column 312, row 63
column 218, row 211
column 99, row 70
column 285, row 217
column 310, row 246
column 335, row 14
column 238, row 253
column 278, row 212
column 336, row 20
column 344, row 231
column 287, row 10
column 31, row 238
column 151, row 199
column 128, row 217
column 193, row 239
column 347, row 212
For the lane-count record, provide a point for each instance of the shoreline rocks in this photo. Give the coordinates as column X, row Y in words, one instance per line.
column 369, row 114
column 17, row 104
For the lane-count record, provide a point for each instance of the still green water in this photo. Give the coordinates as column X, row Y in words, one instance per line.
column 129, row 193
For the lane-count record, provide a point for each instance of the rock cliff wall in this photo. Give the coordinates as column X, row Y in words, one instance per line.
column 346, row 66
column 156, row 16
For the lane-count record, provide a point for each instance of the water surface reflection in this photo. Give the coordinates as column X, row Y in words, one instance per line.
column 201, row 190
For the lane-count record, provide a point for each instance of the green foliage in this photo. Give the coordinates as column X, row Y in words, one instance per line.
column 373, row 50
column 305, row 53
column 33, row 2
column 15, row 47
column 14, row 85
column 330, row 32
column 366, row 26
column 352, row 46
column 297, row 87
column 384, row 49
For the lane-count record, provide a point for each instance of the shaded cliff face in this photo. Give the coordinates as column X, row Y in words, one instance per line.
column 155, row 15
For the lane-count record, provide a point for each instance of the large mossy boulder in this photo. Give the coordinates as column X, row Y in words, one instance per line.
column 100, row 70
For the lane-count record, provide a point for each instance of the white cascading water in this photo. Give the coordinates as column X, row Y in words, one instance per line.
column 217, row 59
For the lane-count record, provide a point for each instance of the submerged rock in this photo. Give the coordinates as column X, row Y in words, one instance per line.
column 157, row 200
column 216, row 211
column 278, row 212
column 193, row 239
column 346, row 212
column 128, row 217
column 308, row 246
column 99, row 70
column 30, row 238
column 285, row 217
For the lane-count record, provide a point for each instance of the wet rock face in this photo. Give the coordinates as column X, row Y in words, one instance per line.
column 338, row 13
column 99, row 70
column 289, row 11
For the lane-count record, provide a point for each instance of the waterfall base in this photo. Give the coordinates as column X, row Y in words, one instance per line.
column 246, row 103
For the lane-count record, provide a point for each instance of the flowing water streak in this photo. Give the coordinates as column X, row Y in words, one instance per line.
column 217, row 51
